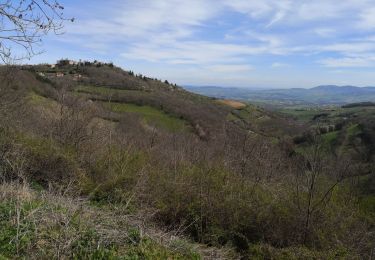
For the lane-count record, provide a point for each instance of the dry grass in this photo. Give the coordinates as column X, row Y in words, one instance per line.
column 55, row 224
column 232, row 103
column 13, row 191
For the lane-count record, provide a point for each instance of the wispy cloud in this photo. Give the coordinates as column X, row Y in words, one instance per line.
column 367, row 19
column 325, row 32
column 231, row 68
column 227, row 35
column 279, row 65
column 349, row 62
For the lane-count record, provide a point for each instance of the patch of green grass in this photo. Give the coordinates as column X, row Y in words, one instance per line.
column 150, row 115
column 15, row 236
column 45, row 146
column 105, row 90
column 330, row 138
column 36, row 99
column 353, row 130
column 249, row 113
column 367, row 204
column 231, row 117
column 113, row 177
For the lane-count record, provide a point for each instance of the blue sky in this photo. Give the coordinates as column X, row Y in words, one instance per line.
column 245, row 43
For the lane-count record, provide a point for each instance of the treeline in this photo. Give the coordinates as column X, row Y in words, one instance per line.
column 360, row 104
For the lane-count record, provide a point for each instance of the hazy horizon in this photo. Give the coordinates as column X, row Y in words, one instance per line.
column 267, row 88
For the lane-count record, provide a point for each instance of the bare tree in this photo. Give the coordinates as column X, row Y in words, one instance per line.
column 317, row 176
column 73, row 122
column 8, row 96
column 23, row 23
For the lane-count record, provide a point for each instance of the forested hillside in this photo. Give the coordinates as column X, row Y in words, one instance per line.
column 99, row 163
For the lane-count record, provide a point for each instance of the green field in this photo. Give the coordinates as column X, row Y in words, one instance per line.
column 105, row 90
column 150, row 115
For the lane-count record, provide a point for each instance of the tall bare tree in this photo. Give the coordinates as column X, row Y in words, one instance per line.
column 23, row 23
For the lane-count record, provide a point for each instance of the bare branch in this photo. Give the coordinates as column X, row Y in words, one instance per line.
column 24, row 23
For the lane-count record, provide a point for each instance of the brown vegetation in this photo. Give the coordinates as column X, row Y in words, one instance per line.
column 221, row 185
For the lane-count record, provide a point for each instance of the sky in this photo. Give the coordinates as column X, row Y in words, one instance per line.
column 239, row 43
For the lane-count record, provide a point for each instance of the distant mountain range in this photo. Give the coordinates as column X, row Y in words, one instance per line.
column 321, row 95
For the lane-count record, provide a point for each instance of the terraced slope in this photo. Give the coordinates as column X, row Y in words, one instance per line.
column 156, row 103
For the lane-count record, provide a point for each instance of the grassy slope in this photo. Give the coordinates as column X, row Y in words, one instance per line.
column 43, row 225
column 157, row 103
column 204, row 115
column 262, row 122
column 149, row 114
column 243, row 115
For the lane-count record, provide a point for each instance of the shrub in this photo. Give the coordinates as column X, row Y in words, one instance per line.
column 49, row 162
column 115, row 175
column 36, row 159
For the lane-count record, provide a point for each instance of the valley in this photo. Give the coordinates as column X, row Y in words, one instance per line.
column 293, row 97
column 99, row 163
